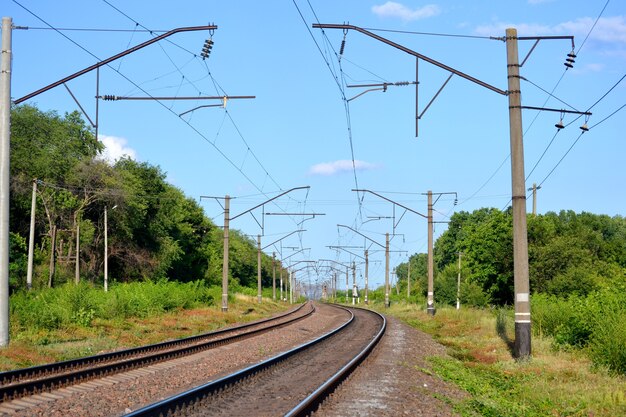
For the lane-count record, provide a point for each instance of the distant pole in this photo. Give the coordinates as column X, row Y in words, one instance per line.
column 281, row 284
column 366, row 276
column 5, row 149
column 31, row 237
column 53, row 245
column 458, row 285
column 335, row 287
column 353, row 283
column 77, row 270
column 534, row 190
column 520, row 237
column 387, row 270
column 292, row 278
column 225, row 258
column 274, row 276
column 408, row 280
column 258, row 269
column 430, row 308
column 347, row 278
column 106, row 253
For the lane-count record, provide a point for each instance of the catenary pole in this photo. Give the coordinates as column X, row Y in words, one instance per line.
column 77, row 266
column 274, row 276
column 106, row 253
column 386, row 269
column 225, row 258
column 31, row 237
column 366, row 276
column 430, row 308
column 520, row 238
column 258, row 269
column 458, row 284
column 5, row 149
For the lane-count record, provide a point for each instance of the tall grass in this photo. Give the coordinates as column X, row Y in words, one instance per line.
column 594, row 323
column 79, row 305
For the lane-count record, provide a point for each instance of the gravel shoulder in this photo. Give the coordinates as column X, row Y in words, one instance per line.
column 395, row 380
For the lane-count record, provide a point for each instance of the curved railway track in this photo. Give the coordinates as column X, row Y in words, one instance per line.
column 22, row 383
column 293, row 383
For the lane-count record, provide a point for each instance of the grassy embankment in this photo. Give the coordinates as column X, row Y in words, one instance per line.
column 557, row 381
column 73, row 321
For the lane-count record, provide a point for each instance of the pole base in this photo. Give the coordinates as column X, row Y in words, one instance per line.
column 430, row 310
column 521, row 349
column 224, row 309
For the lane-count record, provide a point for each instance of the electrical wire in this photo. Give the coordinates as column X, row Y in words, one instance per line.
column 340, row 85
column 229, row 160
column 227, row 113
column 449, row 35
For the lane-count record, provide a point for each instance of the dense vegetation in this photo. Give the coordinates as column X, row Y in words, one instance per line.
column 154, row 231
column 569, row 254
column 158, row 235
column 577, row 275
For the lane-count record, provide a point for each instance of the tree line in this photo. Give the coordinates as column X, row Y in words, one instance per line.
column 154, row 230
column 569, row 254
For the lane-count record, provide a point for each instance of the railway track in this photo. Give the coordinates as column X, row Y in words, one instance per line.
column 25, row 382
column 293, row 383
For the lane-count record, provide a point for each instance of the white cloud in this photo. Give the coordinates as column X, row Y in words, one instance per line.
column 608, row 29
column 115, row 148
column 393, row 9
column 343, row 165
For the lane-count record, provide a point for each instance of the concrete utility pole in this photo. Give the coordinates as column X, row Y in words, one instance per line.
column 430, row 308
column 5, row 149
column 458, row 285
column 347, row 278
column 225, row 258
column 77, row 269
column 31, row 237
column 387, row 270
column 534, row 190
column 520, row 238
column 366, row 300
column 258, row 269
column 274, row 276
column 353, row 283
column 106, row 252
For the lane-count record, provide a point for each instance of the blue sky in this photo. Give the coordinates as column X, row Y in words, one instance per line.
column 301, row 130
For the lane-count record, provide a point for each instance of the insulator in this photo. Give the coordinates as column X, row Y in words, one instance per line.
column 584, row 127
column 206, row 49
column 559, row 125
column 568, row 65
column 342, row 47
column 108, row 97
column 571, row 55
column 570, row 60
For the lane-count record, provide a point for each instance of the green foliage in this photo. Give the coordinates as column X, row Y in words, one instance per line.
column 79, row 305
column 18, row 260
column 594, row 323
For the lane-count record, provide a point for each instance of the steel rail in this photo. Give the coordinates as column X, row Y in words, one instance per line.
column 177, row 403
column 23, row 382
column 310, row 403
